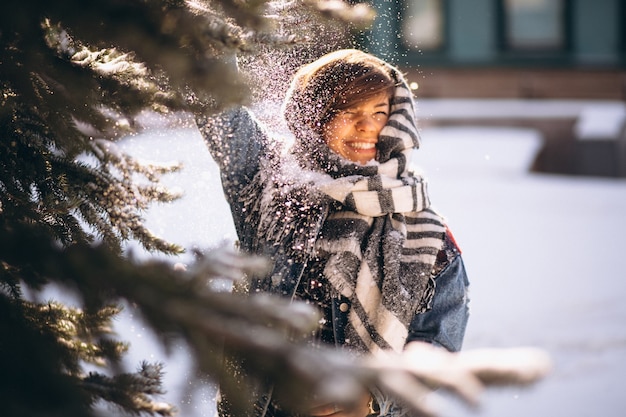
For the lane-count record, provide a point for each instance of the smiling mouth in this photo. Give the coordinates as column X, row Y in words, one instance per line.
column 362, row 145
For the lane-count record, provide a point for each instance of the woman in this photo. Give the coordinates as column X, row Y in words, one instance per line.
column 346, row 223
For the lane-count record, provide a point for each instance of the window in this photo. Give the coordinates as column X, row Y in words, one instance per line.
column 534, row 24
column 423, row 25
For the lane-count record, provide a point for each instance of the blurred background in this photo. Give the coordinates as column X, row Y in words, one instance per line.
column 558, row 66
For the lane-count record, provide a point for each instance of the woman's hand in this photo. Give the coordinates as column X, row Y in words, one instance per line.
column 361, row 409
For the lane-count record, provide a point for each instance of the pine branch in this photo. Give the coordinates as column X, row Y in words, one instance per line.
column 131, row 392
column 182, row 305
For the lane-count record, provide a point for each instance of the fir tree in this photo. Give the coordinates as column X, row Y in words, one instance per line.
column 73, row 77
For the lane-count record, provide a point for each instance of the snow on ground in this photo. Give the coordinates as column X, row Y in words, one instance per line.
column 544, row 256
column 543, row 253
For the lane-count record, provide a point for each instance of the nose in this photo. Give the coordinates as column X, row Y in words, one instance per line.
column 366, row 123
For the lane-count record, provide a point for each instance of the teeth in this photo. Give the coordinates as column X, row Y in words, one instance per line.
column 363, row 145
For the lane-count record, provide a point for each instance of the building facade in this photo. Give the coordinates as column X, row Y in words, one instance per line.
column 505, row 48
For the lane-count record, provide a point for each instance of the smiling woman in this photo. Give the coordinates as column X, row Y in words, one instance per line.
column 346, row 223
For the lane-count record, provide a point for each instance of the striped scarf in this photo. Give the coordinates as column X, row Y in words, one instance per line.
column 381, row 246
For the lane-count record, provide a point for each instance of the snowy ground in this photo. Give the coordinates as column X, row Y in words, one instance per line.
column 543, row 253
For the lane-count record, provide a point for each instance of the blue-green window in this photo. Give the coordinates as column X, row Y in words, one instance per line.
column 423, row 25
column 534, row 25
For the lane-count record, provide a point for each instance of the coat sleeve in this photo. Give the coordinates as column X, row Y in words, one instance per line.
column 237, row 142
column 444, row 324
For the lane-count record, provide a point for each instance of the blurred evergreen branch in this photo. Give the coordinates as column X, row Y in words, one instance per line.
column 264, row 330
column 176, row 304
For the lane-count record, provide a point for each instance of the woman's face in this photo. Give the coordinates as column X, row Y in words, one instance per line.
column 353, row 132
